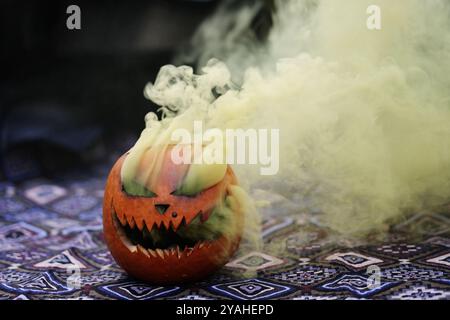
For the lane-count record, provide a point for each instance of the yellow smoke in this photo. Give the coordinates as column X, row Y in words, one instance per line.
column 364, row 115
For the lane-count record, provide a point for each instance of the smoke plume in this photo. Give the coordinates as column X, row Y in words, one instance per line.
column 364, row 115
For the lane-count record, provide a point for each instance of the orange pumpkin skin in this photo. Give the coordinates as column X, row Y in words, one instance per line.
column 172, row 266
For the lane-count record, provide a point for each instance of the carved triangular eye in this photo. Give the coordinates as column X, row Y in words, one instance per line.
column 200, row 178
column 133, row 188
column 181, row 193
column 162, row 208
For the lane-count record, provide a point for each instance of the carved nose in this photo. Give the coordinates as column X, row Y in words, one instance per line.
column 162, row 208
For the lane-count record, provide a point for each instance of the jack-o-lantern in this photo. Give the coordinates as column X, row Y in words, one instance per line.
column 165, row 236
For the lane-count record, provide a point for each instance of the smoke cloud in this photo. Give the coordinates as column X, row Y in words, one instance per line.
column 364, row 115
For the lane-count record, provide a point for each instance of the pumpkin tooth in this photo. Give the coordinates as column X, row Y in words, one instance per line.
column 152, row 252
column 139, row 224
column 176, row 224
column 131, row 222
column 162, row 226
column 143, row 250
column 148, row 226
column 166, row 224
column 122, row 219
column 189, row 251
column 160, row 253
column 181, row 223
column 179, row 253
column 185, row 250
column 201, row 245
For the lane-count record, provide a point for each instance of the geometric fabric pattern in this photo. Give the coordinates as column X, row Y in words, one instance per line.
column 52, row 247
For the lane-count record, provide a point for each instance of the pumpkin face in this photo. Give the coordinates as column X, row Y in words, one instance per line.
column 163, row 237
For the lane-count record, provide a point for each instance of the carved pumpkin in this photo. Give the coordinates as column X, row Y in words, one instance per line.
column 161, row 236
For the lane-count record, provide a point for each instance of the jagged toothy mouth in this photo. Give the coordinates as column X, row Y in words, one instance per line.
column 162, row 241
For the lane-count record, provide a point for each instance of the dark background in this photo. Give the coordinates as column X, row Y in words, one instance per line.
column 69, row 96
column 64, row 92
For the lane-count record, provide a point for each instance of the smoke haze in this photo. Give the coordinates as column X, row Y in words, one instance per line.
column 364, row 116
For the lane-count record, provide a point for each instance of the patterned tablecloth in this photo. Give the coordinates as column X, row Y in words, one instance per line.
column 51, row 247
